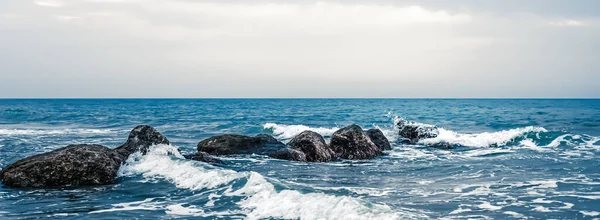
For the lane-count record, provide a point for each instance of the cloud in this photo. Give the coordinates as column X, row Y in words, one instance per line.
column 50, row 4
column 568, row 23
column 184, row 48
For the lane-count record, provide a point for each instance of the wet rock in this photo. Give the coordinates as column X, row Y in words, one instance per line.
column 313, row 146
column 140, row 139
column 379, row 139
column 414, row 131
column 288, row 154
column 203, row 157
column 239, row 144
column 74, row 165
column 353, row 143
column 77, row 165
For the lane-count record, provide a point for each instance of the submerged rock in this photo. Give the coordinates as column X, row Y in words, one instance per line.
column 140, row 139
column 414, row 131
column 239, row 144
column 74, row 165
column 203, row 157
column 353, row 143
column 379, row 139
column 288, row 154
column 313, row 146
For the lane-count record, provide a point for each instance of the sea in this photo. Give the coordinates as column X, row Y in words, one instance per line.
column 513, row 159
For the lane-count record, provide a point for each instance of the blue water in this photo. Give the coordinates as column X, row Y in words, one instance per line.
column 516, row 159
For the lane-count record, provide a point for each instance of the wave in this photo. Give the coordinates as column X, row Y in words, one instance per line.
column 10, row 132
column 259, row 198
column 289, row 131
column 485, row 139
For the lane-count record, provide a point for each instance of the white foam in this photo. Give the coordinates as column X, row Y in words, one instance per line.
column 289, row 131
column 590, row 213
column 540, row 208
column 11, row 132
column 264, row 202
column 178, row 209
column 544, row 184
column 460, row 210
column 425, row 182
column 485, row 152
column 528, row 143
column 514, row 214
column 146, row 204
column 489, row 206
column 184, row 173
column 484, row 139
column 260, row 199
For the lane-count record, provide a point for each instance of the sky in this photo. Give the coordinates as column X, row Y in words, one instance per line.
column 288, row 49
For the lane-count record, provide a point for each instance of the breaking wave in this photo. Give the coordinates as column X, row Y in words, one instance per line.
column 257, row 198
column 485, row 139
column 289, row 131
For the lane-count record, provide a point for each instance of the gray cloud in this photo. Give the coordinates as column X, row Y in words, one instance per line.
column 157, row 48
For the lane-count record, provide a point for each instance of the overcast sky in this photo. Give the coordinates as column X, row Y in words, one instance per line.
column 189, row 48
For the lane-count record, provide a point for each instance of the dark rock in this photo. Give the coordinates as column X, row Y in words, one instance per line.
column 288, row 154
column 204, row 157
column 239, row 144
column 379, row 139
column 74, row 165
column 416, row 131
column 313, row 146
column 353, row 143
column 267, row 139
column 140, row 139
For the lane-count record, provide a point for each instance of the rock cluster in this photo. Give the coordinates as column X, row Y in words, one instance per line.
column 350, row 143
column 78, row 165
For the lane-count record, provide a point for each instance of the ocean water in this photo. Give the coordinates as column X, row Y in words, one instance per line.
column 516, row 159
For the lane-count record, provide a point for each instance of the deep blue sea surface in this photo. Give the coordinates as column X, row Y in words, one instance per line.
column 517, row 159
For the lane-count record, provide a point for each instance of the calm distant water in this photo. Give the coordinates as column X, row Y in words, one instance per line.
column 518, row 158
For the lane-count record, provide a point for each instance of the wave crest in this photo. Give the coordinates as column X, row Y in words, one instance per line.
column 289, row 131
column 485, row 139
column 259, row 199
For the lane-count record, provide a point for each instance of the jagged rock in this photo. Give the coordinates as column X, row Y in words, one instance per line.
column 239, row 144
column 379, row 139
column 313, row 145
column 73, row 165
column 204, row 157
column 353, row 143
column 416, row 131
column 77, row 165
column 140, row 139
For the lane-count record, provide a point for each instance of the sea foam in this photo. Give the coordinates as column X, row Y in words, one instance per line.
column 259, row 198
column 289, row 131
column 485, row 139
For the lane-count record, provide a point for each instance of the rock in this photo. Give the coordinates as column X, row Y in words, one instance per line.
column 313, row 146
column 288, row 154
column 77, row 165
column 379, row 139
column 416, row 131
column 203, row 157
column 239, row 144
column 353, row 143
column 74, row 165
column 140, row 139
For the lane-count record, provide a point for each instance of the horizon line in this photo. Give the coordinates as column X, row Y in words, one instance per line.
column 100, row 98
